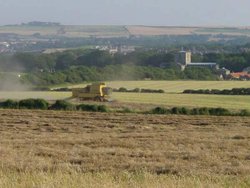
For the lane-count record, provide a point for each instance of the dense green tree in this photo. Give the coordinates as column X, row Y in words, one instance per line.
column 235, row 63
column 196, row 73
column 95, row 58
column 65, row 60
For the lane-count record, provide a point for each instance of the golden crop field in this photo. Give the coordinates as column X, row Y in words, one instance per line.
column 79, row 149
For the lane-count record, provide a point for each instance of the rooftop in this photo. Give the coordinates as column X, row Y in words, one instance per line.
column 240, row 74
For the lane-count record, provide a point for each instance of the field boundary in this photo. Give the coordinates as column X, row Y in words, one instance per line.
column 42, row 104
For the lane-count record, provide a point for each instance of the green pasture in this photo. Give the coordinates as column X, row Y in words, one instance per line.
column 172, row 97
column 176, row 86
column 47, row 95
column 187, row 100
column 167, row 99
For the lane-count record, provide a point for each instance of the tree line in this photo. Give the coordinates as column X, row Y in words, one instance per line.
column 115, row 72
column 95, row 58
column 234, row 91
column 41, row 104
column 79, row 65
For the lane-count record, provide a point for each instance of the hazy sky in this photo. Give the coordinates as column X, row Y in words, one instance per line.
column 128, row 12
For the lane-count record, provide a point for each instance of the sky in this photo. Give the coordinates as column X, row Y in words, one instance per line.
column 128, row 12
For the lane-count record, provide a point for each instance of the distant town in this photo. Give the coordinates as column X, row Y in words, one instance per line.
column 166, row 53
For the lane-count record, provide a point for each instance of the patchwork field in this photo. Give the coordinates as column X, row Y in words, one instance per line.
column 161, row 30
column 68, row 31
column 77, row 149
column 121, row 31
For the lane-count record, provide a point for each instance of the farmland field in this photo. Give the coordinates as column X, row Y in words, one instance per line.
column 78, row 149
column 47, row 95
column 69, row 31
column 170, row 100
column 172, row 97
column 187, row 100
column 150, row 30
column 119, row 31
column 177, row 86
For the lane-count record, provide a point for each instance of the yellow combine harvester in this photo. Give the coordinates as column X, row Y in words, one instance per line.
column 96, row 91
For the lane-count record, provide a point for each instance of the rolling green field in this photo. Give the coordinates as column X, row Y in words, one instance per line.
column 166, row 99
column 187, row 100
column 176, row 86
column 172, row 97
column 179, row 86
column 47, row 95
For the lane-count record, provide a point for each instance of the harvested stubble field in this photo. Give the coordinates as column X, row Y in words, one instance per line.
column 79, row 149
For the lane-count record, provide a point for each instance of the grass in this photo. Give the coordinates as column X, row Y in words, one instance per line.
column 79, row 149
column 166, row 99
column 179, row 86
column 47, row 95
column 108, row 180
column 187, row 100
column 175, row 86
column 172, row 97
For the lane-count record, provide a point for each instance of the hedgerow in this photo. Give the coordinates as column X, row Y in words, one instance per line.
column 42, row 104
column 234, row 91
